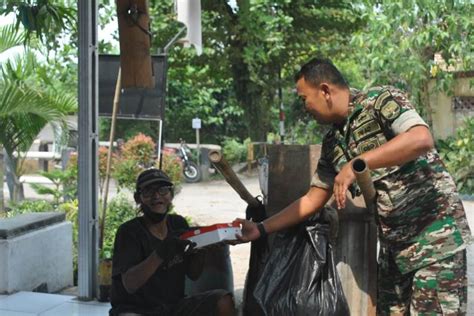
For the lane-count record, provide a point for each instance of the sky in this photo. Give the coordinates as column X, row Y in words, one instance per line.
column 104, row 34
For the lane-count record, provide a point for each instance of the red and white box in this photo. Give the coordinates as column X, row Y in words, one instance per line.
column 208, row 235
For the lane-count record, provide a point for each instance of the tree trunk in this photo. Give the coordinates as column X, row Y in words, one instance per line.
column 15, row 187
column 248, row 94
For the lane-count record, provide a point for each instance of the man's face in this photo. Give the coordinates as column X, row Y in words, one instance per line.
column 318, row 101
column 157, row 197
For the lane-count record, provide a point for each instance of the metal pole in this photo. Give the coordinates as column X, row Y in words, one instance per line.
column 160, row 138
column 88, row 141
column 198, row 148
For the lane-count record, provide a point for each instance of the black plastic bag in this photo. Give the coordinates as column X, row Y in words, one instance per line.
column 300, row 276
column 258, row 257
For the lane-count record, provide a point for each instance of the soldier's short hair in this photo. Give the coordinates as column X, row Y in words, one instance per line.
column 319, row 70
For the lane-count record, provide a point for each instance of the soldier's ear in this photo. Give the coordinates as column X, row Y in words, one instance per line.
column 325, row 90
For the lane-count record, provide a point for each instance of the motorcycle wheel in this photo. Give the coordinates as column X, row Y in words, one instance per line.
column 192, row 173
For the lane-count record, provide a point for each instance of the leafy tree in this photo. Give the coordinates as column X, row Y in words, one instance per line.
column 26, row 106
column 457, row 152
column 42, row 19
column 401, row 39
column 261, row 43
column 250, row 51
column 61, row 190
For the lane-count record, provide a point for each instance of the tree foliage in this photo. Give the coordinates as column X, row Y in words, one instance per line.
column 401, row 39
column 27, row 104
column 457, row 152
column 45, row 20
column 251, row 50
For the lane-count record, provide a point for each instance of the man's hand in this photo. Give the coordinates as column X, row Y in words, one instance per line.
column 249, row 231
column 171, row 247
column 341, row 183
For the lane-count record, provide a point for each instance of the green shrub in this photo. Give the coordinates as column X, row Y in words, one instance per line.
column 233, row 151
column 125, row 173
column 172, row 166
column 62, row 185
column 136, row 156
column 305, row 133
column 71, row 208
column 141, row 149
column 119, row 210
column 458, row 153
column 29, row 206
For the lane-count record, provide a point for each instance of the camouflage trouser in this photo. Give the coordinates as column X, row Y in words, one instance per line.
column 437, row 289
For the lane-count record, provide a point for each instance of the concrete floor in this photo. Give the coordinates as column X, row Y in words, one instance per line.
column 40, row 304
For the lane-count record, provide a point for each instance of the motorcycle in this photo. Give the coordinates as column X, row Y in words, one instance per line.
column 191, row 170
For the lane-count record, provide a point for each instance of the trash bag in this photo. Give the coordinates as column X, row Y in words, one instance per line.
column 300, row 276
column 258, row 256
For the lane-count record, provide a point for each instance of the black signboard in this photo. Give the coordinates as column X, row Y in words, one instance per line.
column 135, row 103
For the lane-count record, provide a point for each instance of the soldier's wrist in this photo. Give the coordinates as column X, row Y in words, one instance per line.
column 261, row 229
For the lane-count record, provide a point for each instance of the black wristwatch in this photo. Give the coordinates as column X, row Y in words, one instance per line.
column 261, row 229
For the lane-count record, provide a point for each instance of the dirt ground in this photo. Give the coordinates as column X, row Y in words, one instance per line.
column 214, row 202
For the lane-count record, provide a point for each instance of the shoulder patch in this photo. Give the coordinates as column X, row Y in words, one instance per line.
column 382, row 98
column 391, row 110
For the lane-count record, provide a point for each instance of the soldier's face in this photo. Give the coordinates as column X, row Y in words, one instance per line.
column 319, row 102
column 315, row 101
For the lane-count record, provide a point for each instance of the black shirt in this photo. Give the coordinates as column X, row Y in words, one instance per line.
column 133, row 244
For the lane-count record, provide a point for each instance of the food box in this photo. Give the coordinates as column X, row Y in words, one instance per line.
column 213, row 234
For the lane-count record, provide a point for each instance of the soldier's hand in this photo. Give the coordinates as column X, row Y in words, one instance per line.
column 341, row 183
column 249, row 231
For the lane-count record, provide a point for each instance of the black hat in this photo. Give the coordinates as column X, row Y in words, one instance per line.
column 150, row 176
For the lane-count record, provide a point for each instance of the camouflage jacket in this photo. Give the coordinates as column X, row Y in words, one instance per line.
column 420, row 214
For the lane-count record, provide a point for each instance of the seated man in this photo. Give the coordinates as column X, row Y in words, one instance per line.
column 150, row 261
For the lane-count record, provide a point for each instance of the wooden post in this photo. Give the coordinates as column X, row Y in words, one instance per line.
column 109, row 157
column 135, row 59
column 250, row 157
column 291, row 168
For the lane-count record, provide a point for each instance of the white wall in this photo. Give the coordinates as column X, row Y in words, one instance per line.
column 39, row 256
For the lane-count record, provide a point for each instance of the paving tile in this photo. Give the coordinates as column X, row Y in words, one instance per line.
column 78, row 309
column 29, row 302
column 12, row 313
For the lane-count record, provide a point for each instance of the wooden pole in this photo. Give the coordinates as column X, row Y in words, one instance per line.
column 109, row 156
column 134, row 34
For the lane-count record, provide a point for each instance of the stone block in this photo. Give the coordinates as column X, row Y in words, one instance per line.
column 35, row 252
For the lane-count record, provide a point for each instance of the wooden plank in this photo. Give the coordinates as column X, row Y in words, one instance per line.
column 290, row 171
column 135, row 59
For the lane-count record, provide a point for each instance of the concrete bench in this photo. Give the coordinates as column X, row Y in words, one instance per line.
column 35, row 253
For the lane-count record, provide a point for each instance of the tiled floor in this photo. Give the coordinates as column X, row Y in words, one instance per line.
column 40, row 304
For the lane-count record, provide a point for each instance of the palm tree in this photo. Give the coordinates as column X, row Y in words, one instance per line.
column 25, row 106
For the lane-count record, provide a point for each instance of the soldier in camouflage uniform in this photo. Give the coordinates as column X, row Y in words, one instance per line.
column 423, row 229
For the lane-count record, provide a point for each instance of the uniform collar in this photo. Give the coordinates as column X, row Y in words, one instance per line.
column 352, row 109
